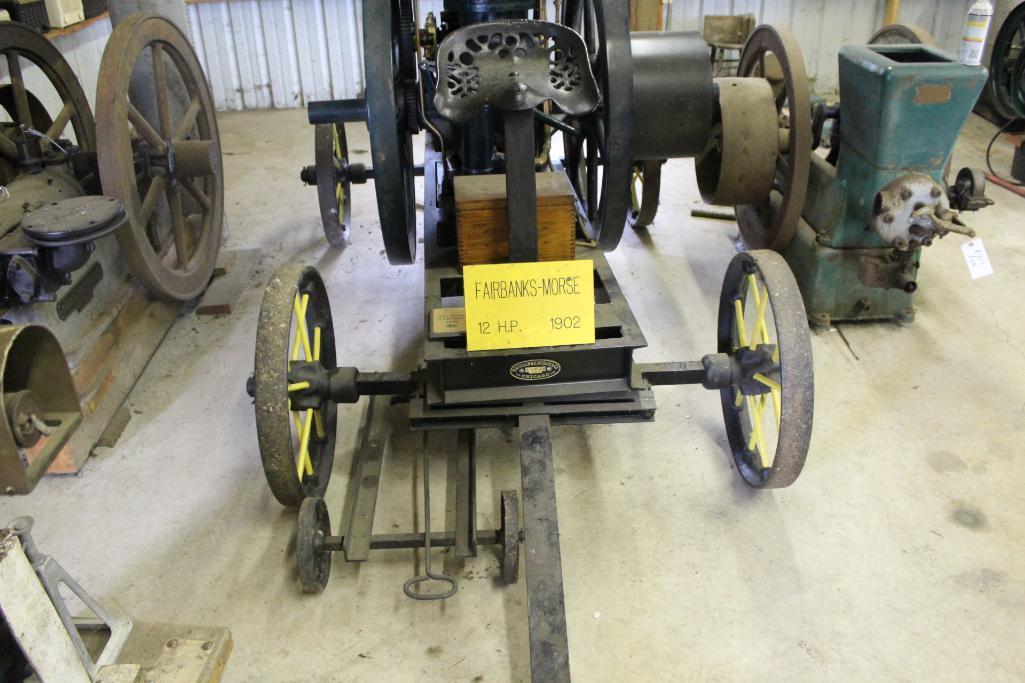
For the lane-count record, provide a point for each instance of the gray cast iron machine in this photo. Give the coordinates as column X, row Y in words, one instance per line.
column 489, row 85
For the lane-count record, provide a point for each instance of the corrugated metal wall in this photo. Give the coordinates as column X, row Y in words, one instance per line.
column 260, row 54
column 822, row 27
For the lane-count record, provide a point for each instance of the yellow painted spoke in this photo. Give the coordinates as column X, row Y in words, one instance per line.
column 777, row 407
column 304, row 446
column 768, row 381
column 739, row 400
column 741, row 327
column 756, row 442
column 758, row 333
column 303, row 336
column 298, row 386
column 316, row 344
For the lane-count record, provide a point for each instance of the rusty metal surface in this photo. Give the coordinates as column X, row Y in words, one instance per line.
column 762, row 224
column 172, row 253
column 644, row 204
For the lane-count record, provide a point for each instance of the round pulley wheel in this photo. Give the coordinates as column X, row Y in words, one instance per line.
column 333, row 189
column 902, row 34
column 773, row 53
column 22, row 46
column 599, row 161
column 510, row 537
column 296, row 446
column 739, row 165
column 314, row 562
column 162, row 160
column 391, row 143
column 644, row 192
column 768, row 411
column 1007, row 67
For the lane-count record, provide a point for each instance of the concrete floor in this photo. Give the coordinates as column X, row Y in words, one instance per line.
column 900, row 553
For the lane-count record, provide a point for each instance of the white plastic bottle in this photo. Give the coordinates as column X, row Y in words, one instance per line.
column 973, row 36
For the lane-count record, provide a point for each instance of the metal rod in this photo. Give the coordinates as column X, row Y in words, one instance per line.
column 408, row 541
column 466, row 494
column 892, row 12
column 520, row 188
column 337, row 111
column 364, row 496
column 546, row 604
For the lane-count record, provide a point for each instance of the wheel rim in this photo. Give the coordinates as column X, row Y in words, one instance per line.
column 600, row 162
column 644, row 193
column 20, row 42
column 768, row 419
column 902, row 34
column 772, row 224
column 296, row 447
column 333, row 189
column 1008, row 66
column 391, row 144
column 172, row 237
column 314, row 562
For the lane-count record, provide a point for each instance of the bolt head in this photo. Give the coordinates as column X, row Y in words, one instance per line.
column 905, row 193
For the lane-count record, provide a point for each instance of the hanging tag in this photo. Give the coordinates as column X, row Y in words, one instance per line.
column 977, row 259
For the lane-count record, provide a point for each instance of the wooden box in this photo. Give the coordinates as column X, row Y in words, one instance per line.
column 482, row 223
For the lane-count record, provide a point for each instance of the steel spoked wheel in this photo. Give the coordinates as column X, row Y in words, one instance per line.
column 768, row 412
column 314, row 562
column 773, row 53
column 20, row 45
column 333, row 188
column 295, row 327
column 164, row 164
column 600, row 160
column 645, row 188
column 388, row 117
column 1007, row 66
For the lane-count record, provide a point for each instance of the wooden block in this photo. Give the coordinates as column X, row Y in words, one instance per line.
column 231, row 277
column 646, row 15
column 482, row 222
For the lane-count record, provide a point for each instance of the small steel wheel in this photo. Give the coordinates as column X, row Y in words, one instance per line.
column 768, row 410
column 644, row 191
column 295, row 326
column 313, row 560
column 333, row 189
column 510, row 537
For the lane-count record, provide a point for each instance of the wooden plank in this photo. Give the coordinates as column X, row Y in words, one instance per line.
column 482, row 221
column 75, row 28
column 236, row 268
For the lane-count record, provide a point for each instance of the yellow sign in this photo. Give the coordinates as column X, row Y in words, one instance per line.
column 527, row 305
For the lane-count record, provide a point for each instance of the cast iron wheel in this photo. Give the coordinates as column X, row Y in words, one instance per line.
column 644, row 191
column 510, row 537
column 20, row 42
column 171, row 241
column 296, row 447
column 773, row 53
column 600, row 161
column 391, row 143
column 333, row 189
column 769, row 415
column 902, row 34
column 1007, row 67
column 314, row 562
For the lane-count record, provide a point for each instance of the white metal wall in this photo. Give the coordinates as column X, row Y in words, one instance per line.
column 260, row 54
column 822, row 27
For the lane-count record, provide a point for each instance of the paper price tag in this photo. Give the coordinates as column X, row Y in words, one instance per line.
column 527, row 305
column 977, row 259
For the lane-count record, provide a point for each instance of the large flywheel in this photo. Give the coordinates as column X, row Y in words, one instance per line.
column 22, row 46
column 599, row 160
column 162, row 160
column 387, row 30
column 772, row 53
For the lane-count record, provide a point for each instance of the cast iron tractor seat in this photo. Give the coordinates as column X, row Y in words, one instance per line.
column 516, row 66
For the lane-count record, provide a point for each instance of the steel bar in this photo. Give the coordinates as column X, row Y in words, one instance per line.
column 659, row 374
column 337, row 111
column 520, row 190
column 466, row 494
column 364, row 496
column 413, row 541
column 546, row 604
column 385, row 383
